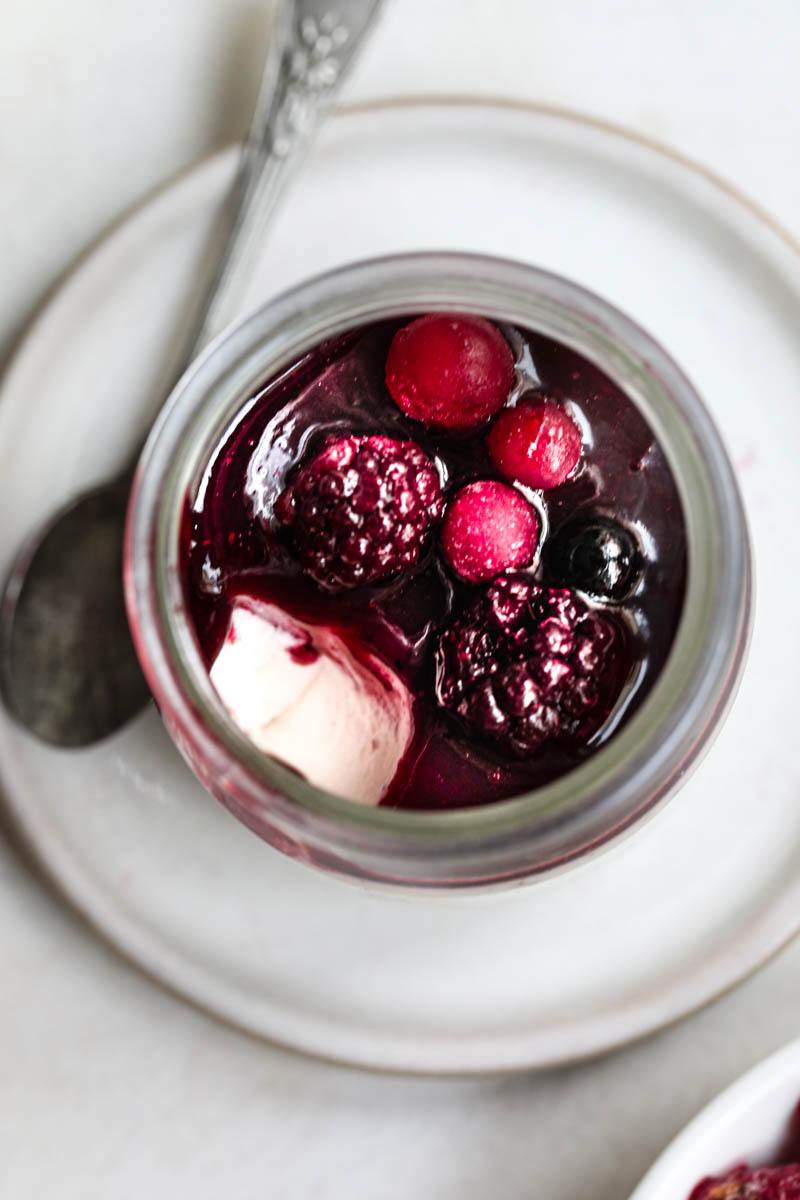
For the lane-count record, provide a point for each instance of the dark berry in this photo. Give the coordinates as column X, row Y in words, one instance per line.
column 535, row 443
column 453, row 372
column 595, row 555
column 489, row 527
column 361, row 510
column 525, row 665
column 745, row 1183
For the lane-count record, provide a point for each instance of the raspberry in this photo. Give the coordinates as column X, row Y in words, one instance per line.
column 535, row 443
column 489, row 528
column 361, row 510
column 525, row 665
column 596, row 555
column 450, row 371
column 744, row 1183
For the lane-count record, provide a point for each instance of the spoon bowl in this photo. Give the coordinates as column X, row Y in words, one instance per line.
column 69, row 667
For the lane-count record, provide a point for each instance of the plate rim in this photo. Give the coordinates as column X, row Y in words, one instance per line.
column 56, row 868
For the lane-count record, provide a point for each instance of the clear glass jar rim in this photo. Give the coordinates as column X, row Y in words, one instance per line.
column 644, row 759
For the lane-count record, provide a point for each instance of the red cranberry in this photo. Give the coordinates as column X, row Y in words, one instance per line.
column 361, row 510
column 535, row 443
column 450, row 371
column 489, row 527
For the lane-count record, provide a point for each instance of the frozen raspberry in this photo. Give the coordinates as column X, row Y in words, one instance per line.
column 535, row 443
column 361, row 510
column 525, row 665
column 744, row 1183
column 450, row 371
column 489, row 528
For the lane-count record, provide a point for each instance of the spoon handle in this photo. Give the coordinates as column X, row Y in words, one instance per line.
column 313, row 44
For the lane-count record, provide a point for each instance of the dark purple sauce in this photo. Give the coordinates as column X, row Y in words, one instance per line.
column 790, row 1148
column 232, row 543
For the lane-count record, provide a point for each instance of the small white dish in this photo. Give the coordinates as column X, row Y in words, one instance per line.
column 568, row 967
column 747, row 1123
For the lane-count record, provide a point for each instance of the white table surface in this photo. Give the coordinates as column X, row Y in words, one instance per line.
column 109, row 1087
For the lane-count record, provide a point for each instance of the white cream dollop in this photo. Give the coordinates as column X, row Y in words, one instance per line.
column 300, row 695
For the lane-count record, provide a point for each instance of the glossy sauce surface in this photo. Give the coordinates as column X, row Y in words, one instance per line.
column 233, row 543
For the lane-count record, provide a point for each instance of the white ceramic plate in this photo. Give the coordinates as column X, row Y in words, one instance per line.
column 747, row 1122
column 573, row 965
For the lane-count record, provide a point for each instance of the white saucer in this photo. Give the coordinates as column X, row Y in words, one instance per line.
column 568, row 967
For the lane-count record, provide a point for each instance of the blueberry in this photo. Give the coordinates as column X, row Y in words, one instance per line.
column 595, row 555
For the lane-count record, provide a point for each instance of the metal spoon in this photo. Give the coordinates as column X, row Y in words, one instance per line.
column 68, row 670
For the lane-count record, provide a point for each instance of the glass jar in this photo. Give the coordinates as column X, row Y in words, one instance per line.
column 638, row 769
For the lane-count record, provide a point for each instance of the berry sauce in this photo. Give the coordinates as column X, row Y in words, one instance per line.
column 526, row 640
